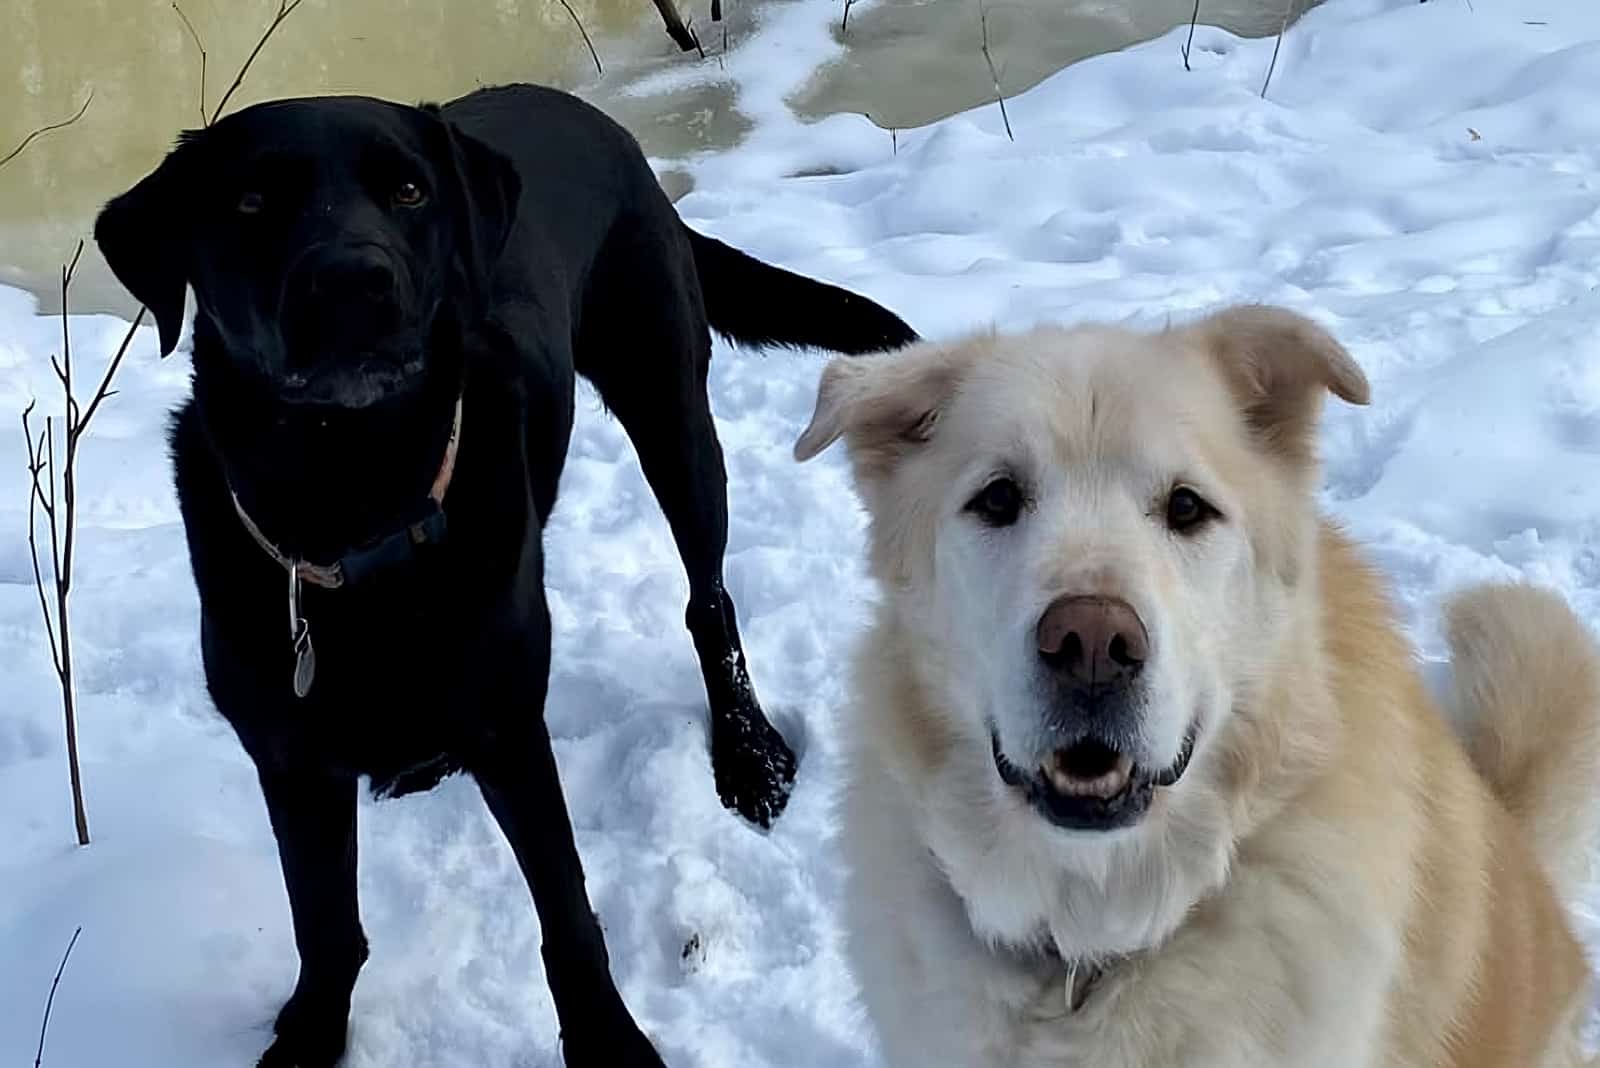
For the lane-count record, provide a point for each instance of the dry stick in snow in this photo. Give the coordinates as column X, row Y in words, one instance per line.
column 844, row 23
column 62, row 513
column 1288, row 12
column 50, row 1001
column 598, row 69
column 681, row 34
column 994, row 75
column 62, row 516
column 41, row 131
column 1193, row 18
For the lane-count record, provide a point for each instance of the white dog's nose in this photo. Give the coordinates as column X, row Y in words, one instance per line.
column 1093, row 641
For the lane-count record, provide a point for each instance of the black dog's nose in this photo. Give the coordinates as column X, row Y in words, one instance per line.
column 1093, row 641
column 363, row 274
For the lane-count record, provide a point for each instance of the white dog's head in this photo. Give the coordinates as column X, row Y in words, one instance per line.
column 1093, row 534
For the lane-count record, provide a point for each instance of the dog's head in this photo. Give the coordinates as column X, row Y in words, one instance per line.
column 324, row 240
column 1094, row 535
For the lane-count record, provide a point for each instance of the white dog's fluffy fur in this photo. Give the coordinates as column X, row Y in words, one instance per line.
column 1336, row 879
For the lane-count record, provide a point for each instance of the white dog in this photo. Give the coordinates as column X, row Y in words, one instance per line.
column 1143, row 773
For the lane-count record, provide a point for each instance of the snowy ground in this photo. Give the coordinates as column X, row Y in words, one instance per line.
column 1424, row 178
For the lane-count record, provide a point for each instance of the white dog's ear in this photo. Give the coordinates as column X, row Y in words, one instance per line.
column 880, row 403
column 1278, row 364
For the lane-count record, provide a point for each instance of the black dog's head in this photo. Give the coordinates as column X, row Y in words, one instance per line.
column 324, row 239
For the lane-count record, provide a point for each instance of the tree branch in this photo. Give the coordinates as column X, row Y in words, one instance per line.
column 285, row 9
column 35, row 499
column 598, row 69
column 1288, row 13
column 1189, row 45
column 49, row 1003
column 202, row 50
column 41, row 131
column 680, row 32
column 994, row 75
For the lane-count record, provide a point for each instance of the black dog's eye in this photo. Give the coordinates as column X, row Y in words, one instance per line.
column 1187, row 511
column 998, row 504
column 251, row 203
column 409, row 195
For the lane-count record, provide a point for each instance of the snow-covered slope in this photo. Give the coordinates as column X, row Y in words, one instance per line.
column 1424, row 178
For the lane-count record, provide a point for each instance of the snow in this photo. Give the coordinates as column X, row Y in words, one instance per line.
column 1422, row 178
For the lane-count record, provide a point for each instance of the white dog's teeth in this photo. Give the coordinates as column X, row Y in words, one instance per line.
column 1102, row 786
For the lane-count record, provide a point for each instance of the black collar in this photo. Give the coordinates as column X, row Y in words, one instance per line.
column 427, row 526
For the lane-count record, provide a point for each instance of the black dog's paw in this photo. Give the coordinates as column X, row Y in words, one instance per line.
column 309, row 1035
column 753, row 765
column 623, row 1046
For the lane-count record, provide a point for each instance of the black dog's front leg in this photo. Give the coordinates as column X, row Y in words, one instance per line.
column 522, row 787
column 314, row 819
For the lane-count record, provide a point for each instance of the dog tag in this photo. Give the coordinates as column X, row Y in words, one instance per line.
column 305, row 661
column 305, row 657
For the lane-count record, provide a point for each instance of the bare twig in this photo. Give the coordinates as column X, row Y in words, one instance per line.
column 285, row 9
column 104, row 390
column 41, row 131
column 844, row 23
column 598, row 69
column 1288, row 13
column 36, row 500
column 994, row 75
column 50, row 1001
column 202, row 50
column 62, row 516
column 716, row 10
column 682, row 33
column 1189, row 45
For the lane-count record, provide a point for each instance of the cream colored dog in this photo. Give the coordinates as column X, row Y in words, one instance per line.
column 1143, row 773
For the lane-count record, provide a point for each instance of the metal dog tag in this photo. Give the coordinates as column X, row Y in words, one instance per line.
column 305, row 661
column 305, row 657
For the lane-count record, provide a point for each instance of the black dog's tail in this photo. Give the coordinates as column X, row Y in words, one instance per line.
column 760, row 304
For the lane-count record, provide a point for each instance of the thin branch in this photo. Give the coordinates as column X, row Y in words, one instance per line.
column 50, row 470
column 682, row 33
column 49, row 1003
column 36, row 498
column 202, row 50
column 104, row 390
column 1288, row 13
column 285, row 9
column 1193, row 18
column 598, row 69
column 844, row 23
column 716, row 10
column 41, row 131
column 994, row 75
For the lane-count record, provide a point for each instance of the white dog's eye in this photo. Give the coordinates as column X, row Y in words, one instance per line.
column 1187, row 511
column 998, row 504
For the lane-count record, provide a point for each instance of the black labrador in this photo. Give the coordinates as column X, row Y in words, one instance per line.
column 391, row 304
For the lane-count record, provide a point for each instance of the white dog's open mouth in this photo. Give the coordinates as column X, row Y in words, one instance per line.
column 1090, row 785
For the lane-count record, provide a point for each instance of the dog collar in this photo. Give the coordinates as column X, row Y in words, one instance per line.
column 375, row 555
column 356, row 564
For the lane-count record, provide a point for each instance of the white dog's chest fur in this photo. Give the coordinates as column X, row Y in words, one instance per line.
column 942, row 993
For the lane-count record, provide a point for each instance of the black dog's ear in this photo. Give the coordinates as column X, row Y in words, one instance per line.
column 144, row 236
column 487, row 190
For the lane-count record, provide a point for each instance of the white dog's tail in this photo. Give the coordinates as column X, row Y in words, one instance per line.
column 1527, row 695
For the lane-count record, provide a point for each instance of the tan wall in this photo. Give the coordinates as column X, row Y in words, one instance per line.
column 144, row 71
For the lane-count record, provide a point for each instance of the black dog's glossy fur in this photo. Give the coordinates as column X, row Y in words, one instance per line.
column 357, row 266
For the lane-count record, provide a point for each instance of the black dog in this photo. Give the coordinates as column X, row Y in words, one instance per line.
column 391, row 305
